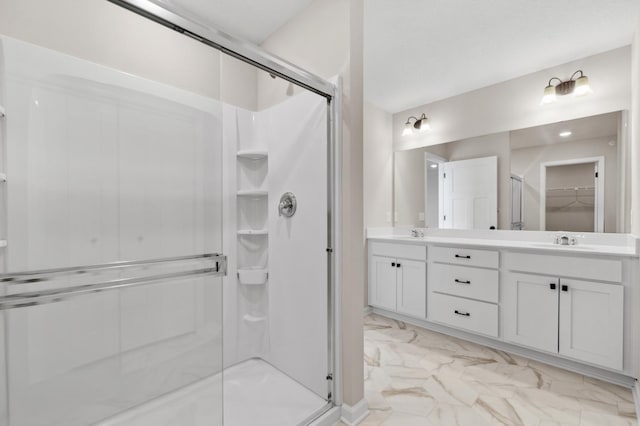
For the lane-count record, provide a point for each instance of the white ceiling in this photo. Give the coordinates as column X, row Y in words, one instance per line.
column 597, row 126
column 252, row 20
column 420, row 51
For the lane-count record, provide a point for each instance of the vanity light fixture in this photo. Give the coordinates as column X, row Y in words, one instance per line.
column 418, row 125
column 577, row 86
column 565, row 134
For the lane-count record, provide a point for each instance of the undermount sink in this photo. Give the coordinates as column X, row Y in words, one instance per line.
column 560, row 246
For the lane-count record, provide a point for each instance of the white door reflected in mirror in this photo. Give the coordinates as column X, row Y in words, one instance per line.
column 469, row 194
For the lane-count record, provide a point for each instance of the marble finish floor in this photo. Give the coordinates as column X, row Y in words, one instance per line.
column 418, row 377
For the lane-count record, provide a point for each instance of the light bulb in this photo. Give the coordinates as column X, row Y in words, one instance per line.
column 408, row 129
column 549, row 95
column 582, row 86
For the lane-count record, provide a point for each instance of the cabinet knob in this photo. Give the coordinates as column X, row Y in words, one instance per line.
column 398, row 265
column 565, row 288
column 552, row 286
column 393, row 264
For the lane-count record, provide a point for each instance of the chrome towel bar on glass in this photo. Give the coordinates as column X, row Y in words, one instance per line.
column 73, row 270
column 34, row 298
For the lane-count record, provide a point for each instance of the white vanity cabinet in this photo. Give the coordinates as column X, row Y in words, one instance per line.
column 397, row 278
column 464, row 288
column 567, row 304
column 578, row 318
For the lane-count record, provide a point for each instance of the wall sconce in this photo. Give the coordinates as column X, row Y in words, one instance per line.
column 577, row 87
column 418, row 125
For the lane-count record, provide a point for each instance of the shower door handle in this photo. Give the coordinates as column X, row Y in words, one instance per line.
column 288, row 205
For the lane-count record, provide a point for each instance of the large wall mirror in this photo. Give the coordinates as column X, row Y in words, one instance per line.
column 565, row 176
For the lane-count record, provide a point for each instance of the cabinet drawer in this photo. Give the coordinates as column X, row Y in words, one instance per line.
column 475, row 283
column 403, row 251
column 479, row 317
column 464, row 256
column 565, row 266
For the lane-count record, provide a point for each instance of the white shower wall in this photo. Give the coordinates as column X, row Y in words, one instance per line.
column 295, row 336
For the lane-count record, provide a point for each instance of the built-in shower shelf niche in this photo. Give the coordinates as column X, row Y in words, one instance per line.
column 253, row 232
column 253, row 193
column 253, row 154
column 253, row 276
column 253, row 319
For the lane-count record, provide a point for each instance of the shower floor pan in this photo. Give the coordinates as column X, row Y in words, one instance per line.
column 255, row 394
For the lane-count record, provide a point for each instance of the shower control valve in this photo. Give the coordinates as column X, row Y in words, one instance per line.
column 288, row 205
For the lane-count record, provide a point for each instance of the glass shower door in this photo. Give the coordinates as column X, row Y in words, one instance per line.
column 111, row 297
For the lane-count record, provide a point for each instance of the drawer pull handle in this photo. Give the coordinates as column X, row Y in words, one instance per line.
column 462, row 282
column 565, row 288
column 552, row 286
column 464, row 314
column 459, row 256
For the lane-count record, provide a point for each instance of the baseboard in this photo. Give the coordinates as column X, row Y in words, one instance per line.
column 368, row 310
column 636, row 397
column 353, row 415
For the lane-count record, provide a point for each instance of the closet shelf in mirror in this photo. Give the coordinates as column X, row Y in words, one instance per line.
column 253, row 154
column 252, row 232
column 572, row 188
column 253, row 193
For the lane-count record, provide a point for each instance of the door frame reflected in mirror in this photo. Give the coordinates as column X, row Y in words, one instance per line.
column 599, row 188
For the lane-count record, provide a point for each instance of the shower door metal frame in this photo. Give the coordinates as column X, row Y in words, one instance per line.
column 254, row 55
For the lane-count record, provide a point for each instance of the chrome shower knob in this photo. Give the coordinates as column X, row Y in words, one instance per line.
column 288, row 205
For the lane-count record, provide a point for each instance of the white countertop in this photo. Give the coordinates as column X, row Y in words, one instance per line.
column 594, row 244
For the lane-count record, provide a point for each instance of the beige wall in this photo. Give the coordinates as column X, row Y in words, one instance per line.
column 526, row 162
column 238, row 83
column 635, row 133
column 326, row 39
column 104, row 33
column 377, row 167
column 515, row 104
column 408, row 187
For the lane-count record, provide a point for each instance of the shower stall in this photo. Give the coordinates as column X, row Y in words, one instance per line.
column 167, row 253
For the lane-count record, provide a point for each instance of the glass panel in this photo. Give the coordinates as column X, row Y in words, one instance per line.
column 113, row 152
column 276, row 291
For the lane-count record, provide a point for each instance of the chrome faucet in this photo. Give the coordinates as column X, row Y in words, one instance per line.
column 417, row 232
column 564, row 240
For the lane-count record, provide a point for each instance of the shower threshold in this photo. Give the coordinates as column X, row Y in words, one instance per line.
column 255, row 393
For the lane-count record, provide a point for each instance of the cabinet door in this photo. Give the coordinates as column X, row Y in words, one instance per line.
column 531, row 311
column 382, row 282
column 412, row 288
column 591, row 322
